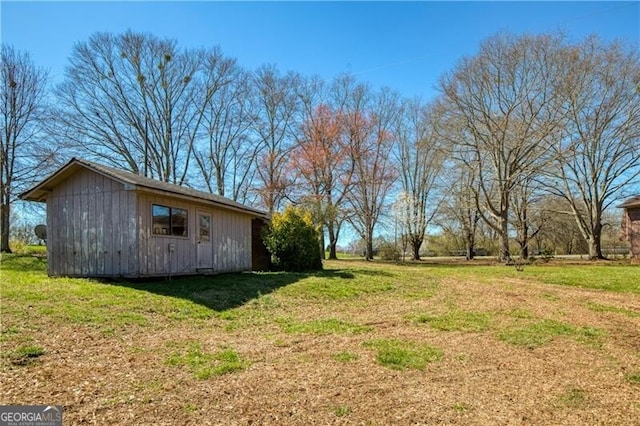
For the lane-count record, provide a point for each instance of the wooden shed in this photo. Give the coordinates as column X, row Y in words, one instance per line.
column 106, row 222
column 631, row 226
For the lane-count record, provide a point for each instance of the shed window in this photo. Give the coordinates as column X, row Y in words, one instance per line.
column 169, row 220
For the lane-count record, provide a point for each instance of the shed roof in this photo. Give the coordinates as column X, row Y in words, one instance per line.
column 631, row 202
column 134, row 182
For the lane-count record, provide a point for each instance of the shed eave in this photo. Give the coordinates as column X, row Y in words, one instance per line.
column 39, row 192
column 38, row 195
column 134, row 183
column 199, row 200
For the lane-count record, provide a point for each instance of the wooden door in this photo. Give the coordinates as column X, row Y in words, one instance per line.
column 205, row 253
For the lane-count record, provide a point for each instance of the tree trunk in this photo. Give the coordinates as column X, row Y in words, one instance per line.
column 333, row 242
column 4, row 226
column 523, row 239
column 470, row 243
column 593, row 255
column 369, row 252
column 416, row 250
column 595, row 243
column 470, row 252
column 505, row 255
column 322, row 246
column 416, row 243
column 332, row 251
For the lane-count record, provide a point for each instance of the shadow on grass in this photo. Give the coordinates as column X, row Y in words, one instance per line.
column 217, row 292
column 370, row 272
column 19, row 262
column 226, row 291
column 390, row 268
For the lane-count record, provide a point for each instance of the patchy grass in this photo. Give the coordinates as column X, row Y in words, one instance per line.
column 633, row 377
column 204, row 365
column 461, row 406
column 542, row 332
column 613, row 277
column 360, row 342
column 342, row 410
column 520, row 313
column 456, row 320
column 345, row 356
column 599, row 307
column 24, row 355
column 322, row 326
column 550, row 296
column 190, row 407
column 572, row 398
column 8, row 333
column 404, row 354
column 337, row 285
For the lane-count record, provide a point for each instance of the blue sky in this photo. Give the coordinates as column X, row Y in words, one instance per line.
column 403, row 45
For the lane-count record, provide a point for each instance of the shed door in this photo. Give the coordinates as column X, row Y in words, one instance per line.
column 205, row 254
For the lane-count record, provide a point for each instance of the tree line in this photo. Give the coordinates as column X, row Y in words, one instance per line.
column 530, row 127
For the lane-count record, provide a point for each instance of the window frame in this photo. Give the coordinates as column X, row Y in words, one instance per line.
column 170, row 226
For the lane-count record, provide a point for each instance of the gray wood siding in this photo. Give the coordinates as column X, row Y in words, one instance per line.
column 231, row 240
column 98, row 228
column 231, row 237
column 155, row 257
column 92, row 224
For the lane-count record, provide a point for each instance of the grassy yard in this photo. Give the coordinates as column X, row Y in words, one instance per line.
column 358, row 343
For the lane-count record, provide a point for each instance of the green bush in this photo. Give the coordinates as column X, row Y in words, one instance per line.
column 293, row 241
column 388, row 251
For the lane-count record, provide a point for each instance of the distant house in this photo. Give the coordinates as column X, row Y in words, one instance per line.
column 106, row 222
column 631, row 226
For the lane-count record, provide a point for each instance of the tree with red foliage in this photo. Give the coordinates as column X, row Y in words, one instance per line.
column 322, row 163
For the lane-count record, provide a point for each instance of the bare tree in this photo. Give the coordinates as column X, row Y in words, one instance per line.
column 420, row 160
column 274, row 126
column 138, row 100
column 505, row 101
column 528, row 218
column 368, row 122
column 559, row 233
column 22, row 96
column 225, row 153
column 599, row 156
column 460, row 205
column 460, row 210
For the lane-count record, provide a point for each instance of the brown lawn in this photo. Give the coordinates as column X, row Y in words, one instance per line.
column 514, row 349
